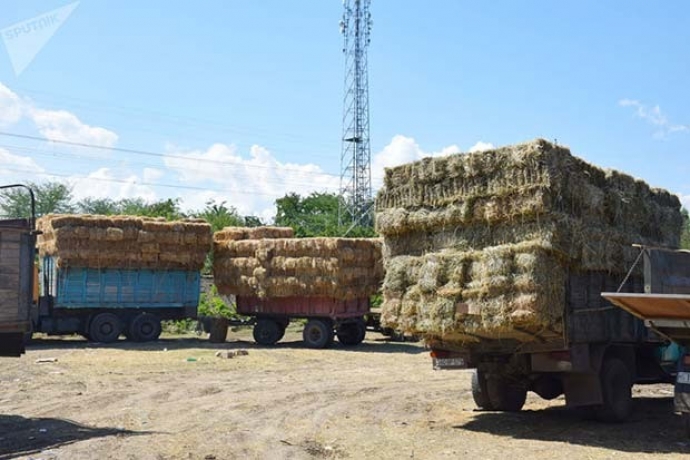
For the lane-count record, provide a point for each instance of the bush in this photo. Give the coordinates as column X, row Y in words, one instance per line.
column 212, row 304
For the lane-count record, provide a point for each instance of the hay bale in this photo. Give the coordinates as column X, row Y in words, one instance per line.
column 277, row 267
column 482, row 244
column 124, row 241
column 252, row 233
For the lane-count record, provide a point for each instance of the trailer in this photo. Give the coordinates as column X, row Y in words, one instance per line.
column 326, row 318
column 595, row 360
column 103, row 303
column 17, row 253
column 665, row 309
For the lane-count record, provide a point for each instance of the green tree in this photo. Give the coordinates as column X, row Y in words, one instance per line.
column 314, row 215
column 170, row 208
column 51, row 197
column 219, row 215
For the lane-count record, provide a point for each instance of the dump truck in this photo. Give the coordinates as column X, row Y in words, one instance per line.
column 17, row 252
column 106, row 276
column 664, row 306
column 499, row 258
column 103, row 303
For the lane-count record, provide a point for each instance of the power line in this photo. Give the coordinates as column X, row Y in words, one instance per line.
column 151, row 184
column 154, row 154
column 238, row 167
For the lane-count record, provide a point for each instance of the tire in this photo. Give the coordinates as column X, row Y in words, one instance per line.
column 351, row 334
column 145, row 327
column 505, row 394
column 267, row 332
column 480, row 392
column 616, row 388
column 105, row 328
column 318, row 333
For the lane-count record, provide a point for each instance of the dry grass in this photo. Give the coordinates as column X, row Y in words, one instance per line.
column 482, row 243
column 124, row 241
column 280, row 267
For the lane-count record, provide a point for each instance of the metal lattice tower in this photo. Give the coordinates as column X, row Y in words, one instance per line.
column 355, row 159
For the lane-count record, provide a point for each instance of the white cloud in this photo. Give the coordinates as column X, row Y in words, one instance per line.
column 107, row 183
column 250, row 184
column 56, row 125
column 11, row 106
column 685, row 201
column 60, row 125
column 655, row 117
column 17, row 166
column 481, row 146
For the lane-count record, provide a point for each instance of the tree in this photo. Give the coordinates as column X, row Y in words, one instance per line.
column 314, row 215
column 170, row 208
column 51, row 197
column 219, row 215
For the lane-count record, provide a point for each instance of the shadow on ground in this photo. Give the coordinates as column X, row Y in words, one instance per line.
column 26, row 436
column 653, row 428
column 372, row 345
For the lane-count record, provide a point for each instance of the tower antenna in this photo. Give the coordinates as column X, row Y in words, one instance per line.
column 355, row 159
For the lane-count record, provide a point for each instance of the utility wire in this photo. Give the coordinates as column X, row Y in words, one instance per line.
column 154, row 154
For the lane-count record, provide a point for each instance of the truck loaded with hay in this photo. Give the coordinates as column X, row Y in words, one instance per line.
column 499, row 258
column 103, row 276
column 276, row 277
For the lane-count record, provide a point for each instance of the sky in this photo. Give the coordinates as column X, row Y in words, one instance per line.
column 241, row 102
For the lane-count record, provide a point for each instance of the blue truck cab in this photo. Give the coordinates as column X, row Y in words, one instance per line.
column 103, row 303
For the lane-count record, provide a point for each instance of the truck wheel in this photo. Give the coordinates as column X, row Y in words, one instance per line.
column 105, row 328
column 479, row 391
column 145, row 328
column 351, row 334
column 616, row 388
column 267, row 332
column 506, row 395
column 318, row 333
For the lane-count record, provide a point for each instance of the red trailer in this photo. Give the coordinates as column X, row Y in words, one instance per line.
column 326, row 317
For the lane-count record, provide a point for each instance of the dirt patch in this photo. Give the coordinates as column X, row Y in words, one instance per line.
column 174, row 399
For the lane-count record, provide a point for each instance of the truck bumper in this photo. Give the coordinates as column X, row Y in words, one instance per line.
column 445, row 360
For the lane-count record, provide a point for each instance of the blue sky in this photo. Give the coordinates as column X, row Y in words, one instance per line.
column 241, row 101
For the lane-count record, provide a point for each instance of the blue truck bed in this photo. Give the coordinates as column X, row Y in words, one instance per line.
column 107, row 288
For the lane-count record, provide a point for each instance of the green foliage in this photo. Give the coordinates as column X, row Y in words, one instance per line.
column 685, row 235
column 170, row 208
column 180, row 326
column 219, row 215
column 315, row 215
column 212, row 304
column 51, row 197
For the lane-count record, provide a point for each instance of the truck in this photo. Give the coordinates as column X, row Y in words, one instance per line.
column 17, row 252
column 600, row 353
column 326, row 318
column 103, row 303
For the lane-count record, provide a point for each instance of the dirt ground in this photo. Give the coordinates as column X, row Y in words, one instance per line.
column 174, row 399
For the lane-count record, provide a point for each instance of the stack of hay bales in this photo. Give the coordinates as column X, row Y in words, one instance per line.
column 482, row 244
column 269, row 262
column 95, row 241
